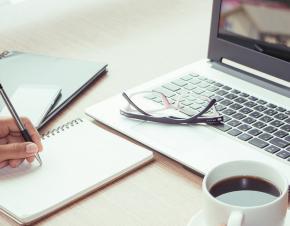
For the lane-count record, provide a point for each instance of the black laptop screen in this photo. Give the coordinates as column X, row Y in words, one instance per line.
column 261, row 25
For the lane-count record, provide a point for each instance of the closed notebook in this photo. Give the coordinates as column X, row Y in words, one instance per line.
column 78, row 158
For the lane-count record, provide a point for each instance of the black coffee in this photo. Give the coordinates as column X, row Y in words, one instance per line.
column 245, row 191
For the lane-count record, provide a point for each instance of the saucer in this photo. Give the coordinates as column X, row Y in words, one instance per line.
column 198, row 220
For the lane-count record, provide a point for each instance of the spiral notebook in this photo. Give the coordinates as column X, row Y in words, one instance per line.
column 78, row 158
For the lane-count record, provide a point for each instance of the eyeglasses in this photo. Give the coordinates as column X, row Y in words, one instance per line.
column 157, row 107
column 4, row 54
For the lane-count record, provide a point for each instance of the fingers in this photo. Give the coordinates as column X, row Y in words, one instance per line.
column 15, row 162
column 30, row 159
column 9, row 127
column 3, row 164
column 17, row 151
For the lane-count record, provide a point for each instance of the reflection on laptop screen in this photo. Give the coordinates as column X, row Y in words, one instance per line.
column 262, row 25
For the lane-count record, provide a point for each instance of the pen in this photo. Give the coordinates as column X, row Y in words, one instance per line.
column 20, row 125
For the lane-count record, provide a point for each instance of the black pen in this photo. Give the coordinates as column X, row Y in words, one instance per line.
column 20, row 125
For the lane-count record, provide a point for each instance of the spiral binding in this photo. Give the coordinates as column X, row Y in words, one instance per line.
column 61, row 128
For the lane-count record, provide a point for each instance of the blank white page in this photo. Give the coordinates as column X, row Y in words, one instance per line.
column 75, row 161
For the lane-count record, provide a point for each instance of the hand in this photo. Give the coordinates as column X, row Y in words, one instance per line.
column 13, row 148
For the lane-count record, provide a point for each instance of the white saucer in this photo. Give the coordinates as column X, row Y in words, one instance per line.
column 197, row 219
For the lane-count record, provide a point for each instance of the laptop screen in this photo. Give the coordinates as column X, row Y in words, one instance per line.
column 261, row 25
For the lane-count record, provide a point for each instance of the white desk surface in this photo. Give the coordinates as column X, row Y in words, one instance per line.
column 139, row 40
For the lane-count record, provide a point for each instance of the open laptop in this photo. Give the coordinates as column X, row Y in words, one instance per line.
column 247, row 71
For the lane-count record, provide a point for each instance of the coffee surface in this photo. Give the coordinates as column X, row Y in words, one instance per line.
column 245, row 191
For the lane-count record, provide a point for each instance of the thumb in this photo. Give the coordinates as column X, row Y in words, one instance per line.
column 17, row 150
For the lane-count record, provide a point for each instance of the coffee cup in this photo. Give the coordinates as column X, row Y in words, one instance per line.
column 245, row 193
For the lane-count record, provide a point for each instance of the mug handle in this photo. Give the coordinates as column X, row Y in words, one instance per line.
column 235, row 219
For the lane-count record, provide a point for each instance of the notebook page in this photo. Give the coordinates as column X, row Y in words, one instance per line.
column 74, row 161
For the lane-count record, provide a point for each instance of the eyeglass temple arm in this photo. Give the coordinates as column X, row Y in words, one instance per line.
column 133, row 104
column 209, row 106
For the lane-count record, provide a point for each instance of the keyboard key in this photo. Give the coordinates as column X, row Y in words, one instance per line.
column 287, row 113
column 240, row 100
column 227, row 88
column 256, row 114
column 221, row 92
column 187, row 102
column 279, row 142
column 280, row 109
column 255, row 132
column 286, row 127
column 259, row 125
column 283, row 154
column 208, row 94
column 187, row 77
column 258, row 143
column 276, row 123
column 250, row 104
column 287, row 138
column 272, row 149
column 198, row 91
column 244, row 127
column 203, row 85
column 252, row 98
column 234, row 132
column 171, row 87
column 246, row 110
column 262, row 102
column 226, row 118
column 281, row 134
column 249, row 120
column 266, row 119
column 270, row 112
column 218, row 84
column 195, row 81
column 217, row 98
column 212, row 88
column 244, row 95
column 223, row 127
column 245, row 137
column 220, row 107
column 202, row 78
column 189, row 86
column 280, row 116
column 271, row 105
column 238, row 116
column 180, row 82
column 226, row 102
column 231, row 96
column 270, row 129
column 265, row 136
column 260, row 108
column 189, row 111
column 229, row 112
column 234, row 123
column 236, row 106
column 210, row 81
column 287, row 121
column 165, row 91
column 234, row 91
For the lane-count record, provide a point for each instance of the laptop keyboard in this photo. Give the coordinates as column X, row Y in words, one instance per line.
column 246, row 117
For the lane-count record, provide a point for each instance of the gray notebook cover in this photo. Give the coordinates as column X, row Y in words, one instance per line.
column 72, row 76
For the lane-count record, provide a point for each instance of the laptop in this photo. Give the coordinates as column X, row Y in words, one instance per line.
column 247, row 72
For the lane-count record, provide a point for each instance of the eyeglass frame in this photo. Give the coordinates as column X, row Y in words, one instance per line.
column 198, row 118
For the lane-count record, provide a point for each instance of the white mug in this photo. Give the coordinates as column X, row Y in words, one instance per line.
column 219, row 213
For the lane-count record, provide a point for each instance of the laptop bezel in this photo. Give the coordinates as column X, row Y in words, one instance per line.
column 222, row 49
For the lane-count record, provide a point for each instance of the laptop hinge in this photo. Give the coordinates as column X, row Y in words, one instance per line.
column 256, row 73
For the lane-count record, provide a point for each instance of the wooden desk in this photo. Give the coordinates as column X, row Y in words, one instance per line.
column 139, row 40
